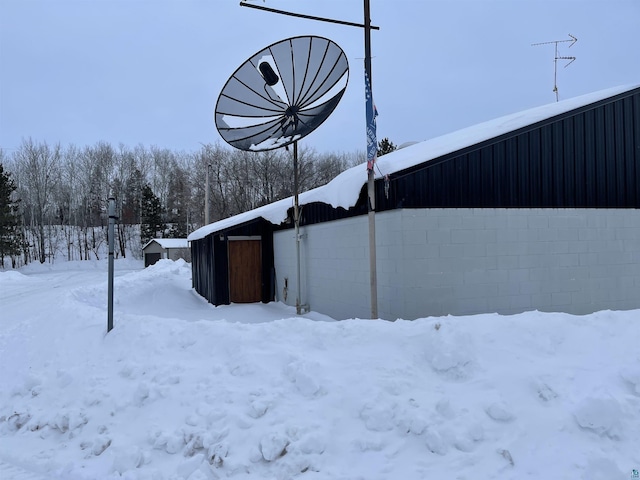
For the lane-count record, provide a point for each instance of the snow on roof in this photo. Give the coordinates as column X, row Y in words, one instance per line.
column 343, row 190
column 169, row 242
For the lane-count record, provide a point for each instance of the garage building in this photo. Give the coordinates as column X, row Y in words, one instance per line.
column 532, row 211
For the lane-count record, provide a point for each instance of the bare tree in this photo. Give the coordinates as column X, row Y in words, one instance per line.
column 213, row 158
column 179, row 198
column 65, row 192
column 39, row 168
column 163, row 163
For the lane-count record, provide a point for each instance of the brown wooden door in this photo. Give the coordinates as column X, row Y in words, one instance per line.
column 245, row 271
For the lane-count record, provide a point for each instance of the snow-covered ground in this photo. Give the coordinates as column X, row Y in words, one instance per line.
column 184, row 390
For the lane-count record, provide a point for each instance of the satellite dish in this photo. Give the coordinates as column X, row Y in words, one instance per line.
column 282, row 93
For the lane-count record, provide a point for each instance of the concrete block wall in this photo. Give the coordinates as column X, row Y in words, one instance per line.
column 466, row 261
column 334, row 267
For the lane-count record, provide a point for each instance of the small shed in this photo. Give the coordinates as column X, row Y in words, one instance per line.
column 170, row 248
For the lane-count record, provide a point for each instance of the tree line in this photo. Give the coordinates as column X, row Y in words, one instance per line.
column 54, row 199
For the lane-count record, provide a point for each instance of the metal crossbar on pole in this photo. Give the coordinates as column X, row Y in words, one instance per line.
column 308, row 17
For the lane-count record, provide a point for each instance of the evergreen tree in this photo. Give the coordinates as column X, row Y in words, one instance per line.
column 152, row 225
column 132, row 198
column 385, row 146
column 178, row 203
column 10, row 238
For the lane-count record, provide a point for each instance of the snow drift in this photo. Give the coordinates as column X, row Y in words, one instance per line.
column 184, row 390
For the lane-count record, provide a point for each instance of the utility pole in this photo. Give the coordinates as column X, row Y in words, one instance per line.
column 370, row 130
column 371, row 158
column 206, row 188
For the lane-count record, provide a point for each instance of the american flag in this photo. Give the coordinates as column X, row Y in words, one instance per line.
column 372, row 113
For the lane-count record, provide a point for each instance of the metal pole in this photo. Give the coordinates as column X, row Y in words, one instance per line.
column 371, row 193
column 112, row 219
column 206, row 197
column 555, row 73
column 370, row 181
column 296, row 222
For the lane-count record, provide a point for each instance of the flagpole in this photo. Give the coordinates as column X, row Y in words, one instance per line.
column 371, row 157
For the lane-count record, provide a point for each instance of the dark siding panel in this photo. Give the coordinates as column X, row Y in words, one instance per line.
column 220, row 272
column 464, row 187
column 409, row 197
column 460, row 181
column 546, row 166
column 558, row 164
column 535, row 169
column 610, row 155
column 434, row 184
column 524, row 179
column 569, row 164
column 511, row 172
column 629, row 154
column 590, row 158
column 579, row 161
column 475, row 179
column 486, row 177
column 210, row 272
column 636, row 130
column 620, row 187
column 202, row 262
column 195, row 265
column 601, row 157
column 500, row 180
column 448, row 189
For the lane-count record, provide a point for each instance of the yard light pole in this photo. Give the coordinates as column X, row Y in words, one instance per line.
column 206, row 188
column 371, row 133
column 112, row 220
column 206, row 197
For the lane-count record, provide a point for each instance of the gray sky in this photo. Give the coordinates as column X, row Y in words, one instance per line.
column 150, row 71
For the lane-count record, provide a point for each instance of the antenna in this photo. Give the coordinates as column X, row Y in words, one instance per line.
column 558, row 57
column 282, row 93
column 279, row 95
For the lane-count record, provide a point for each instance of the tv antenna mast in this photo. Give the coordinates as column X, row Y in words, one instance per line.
column 558, row 57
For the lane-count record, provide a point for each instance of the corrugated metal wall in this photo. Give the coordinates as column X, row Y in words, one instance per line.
column 588, row 157
column 203, row 268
